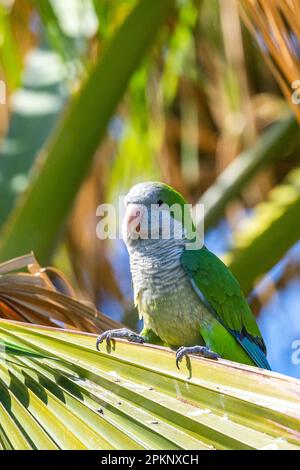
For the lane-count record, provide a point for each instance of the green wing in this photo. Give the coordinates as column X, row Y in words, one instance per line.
column 220, row 291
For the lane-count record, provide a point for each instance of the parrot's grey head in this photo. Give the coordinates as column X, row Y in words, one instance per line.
column 154, row 211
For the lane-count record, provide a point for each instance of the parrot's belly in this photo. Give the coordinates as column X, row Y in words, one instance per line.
column 174, row 315
column 164, row 295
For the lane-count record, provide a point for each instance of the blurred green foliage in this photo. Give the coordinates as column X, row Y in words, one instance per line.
column 104, row 94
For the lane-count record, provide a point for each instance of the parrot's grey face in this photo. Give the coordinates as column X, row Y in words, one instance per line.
column 147, row 215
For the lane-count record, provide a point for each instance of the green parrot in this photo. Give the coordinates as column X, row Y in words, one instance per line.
column 188, row 298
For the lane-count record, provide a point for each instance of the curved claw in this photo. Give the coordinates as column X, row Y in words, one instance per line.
column 202, row 351
column 180, row 353
column 100, row 340
column 124, row 333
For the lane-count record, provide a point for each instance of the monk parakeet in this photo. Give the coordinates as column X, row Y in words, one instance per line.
column 187, row 298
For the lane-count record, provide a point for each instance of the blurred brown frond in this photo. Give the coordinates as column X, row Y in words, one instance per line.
column 25, row 26
column 32, row 297
column 276, row 27
column 89, row 255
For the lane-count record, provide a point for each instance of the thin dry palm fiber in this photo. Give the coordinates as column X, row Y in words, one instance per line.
column 276, row 24
column 32, row 297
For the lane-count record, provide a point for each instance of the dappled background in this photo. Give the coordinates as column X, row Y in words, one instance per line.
column 208, row 109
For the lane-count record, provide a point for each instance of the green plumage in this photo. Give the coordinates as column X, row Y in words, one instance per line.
column 219, row 289
column 186, row 296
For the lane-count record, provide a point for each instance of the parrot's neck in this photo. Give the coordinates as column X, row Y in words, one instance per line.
column 156, row 264
column 163, row 293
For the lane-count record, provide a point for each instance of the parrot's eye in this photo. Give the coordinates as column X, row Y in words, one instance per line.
column 160, row 203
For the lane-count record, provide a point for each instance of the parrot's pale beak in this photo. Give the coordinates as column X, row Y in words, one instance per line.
column 132, row 219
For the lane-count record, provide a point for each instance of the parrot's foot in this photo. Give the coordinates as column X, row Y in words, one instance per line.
column 202, row 351
column 110, row 335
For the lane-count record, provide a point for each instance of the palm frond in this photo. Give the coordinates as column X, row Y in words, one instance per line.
column 57, row 391
column 32, row 297
column 271, row 225
column 233, row 180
